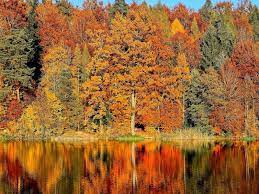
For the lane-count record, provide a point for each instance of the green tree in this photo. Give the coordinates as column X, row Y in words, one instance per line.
column 33, row 34
column 64, row 7
column 254, row 20
column 119, row 6
column 15, row 52
column 197, row 107
column 216, row 45
column 66, row 96
column 206, row 11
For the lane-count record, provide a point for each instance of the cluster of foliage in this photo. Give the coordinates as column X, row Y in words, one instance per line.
column 105, row 67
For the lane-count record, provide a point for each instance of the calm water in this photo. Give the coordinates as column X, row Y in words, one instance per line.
column 113, row 167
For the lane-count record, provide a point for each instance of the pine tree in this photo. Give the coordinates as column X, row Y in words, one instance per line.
column 197, row 108
column 32, row 31
column 119, row 6
column 216, row 45
column 254, row 20
column 68, row 99
column 206, row 11
column 64, row 7
column 15, row 52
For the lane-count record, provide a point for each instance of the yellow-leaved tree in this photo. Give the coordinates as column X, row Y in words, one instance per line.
column 44, row 117
column 177, row 27
column 96, row 88
column 182, row 69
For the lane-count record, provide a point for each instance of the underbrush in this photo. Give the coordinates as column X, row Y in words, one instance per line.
column 186, row 134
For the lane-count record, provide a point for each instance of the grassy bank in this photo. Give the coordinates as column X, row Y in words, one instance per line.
column 184, row 134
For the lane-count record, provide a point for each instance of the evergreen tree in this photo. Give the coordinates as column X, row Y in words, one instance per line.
column 119, row 6
column 197, row 108
column 67, row 97
column 206, row 11
column 216, row 45
column 254, row 20
column 15, row 52
column 32, row 31
column 64, row 7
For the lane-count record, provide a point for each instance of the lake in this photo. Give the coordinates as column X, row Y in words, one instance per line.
column 121, row 167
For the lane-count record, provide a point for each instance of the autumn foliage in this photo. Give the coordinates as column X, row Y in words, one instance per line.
column 106, row 67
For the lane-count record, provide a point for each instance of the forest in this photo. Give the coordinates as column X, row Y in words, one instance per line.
column 120, row 68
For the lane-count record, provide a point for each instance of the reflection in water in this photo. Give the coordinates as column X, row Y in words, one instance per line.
column 113, row 167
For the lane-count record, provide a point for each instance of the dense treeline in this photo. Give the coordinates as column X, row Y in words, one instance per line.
column 112, row 67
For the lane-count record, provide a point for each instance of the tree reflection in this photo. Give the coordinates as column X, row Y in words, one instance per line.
column 113, row 167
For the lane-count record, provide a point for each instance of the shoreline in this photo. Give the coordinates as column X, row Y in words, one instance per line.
column 87, row 137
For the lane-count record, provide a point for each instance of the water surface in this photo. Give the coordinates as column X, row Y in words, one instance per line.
column 114, row 167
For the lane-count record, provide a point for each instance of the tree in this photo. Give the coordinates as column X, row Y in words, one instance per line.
column 33, row 33
column 97, row 8
column 53, row 26
column 121, row 68
column 181, row 13
column 161, row 18
column 223, row 95
column 183, row 43
column 254, row 21
column 77, row 79
column 195, row 29
column 184, row 74
column 59, row 80
column 119, row 6
column 96, row 87
column 54, row 62
column 85, row 56
column 13, row 14
column 206, row 11
column 15, row 53
column 64, row 7
column 72, row 107
column 197, row 106
column 216, row 45
column 14, row 110
column 2, row 95
column 245, row 6
column 245, row 60
column 244, row 28
column 51, row 113
column 177, row 27
column 134, row 58
column 84, row 23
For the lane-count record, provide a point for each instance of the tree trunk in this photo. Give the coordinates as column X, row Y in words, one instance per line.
column 246, row 118
column 78, row 81
column 18, row 94
column 101, row 125
column 183, row 107
column 133, row 112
